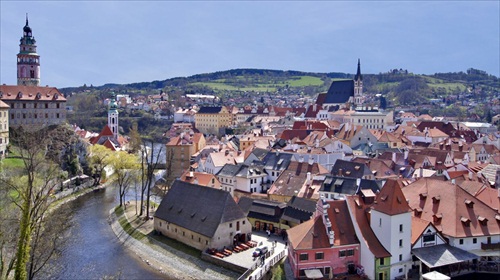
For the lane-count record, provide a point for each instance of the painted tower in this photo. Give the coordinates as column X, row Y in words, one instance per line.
column 358, row 87
column 28, row 61
column 113, row 116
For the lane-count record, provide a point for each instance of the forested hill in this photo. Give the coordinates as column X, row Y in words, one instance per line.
column 400, row 86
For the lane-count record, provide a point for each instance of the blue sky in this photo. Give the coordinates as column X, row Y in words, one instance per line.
column 124, row 42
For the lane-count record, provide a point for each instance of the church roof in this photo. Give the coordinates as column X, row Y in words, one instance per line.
column 339, row 92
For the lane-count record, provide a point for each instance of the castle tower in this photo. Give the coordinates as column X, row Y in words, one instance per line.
column 358, row 87
column 28, row 61
column 113, row 116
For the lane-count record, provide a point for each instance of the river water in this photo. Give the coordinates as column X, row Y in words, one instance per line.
column 93, row 250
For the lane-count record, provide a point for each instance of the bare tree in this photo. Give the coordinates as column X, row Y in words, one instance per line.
column 30, row 189
column 150, row 157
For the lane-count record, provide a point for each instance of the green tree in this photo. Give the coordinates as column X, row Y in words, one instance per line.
column 125, row 168
column 30, row 188
column 99, row 158
column 135, row 138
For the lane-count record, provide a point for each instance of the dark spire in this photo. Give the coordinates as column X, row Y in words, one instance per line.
column 358, row 74
column 26, row 19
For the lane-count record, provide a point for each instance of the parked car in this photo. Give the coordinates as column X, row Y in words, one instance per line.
column 260, row 251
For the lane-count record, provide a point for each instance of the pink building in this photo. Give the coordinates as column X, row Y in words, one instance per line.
column 326, row 245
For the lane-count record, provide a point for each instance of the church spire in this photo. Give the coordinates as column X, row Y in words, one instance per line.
column 358, row 74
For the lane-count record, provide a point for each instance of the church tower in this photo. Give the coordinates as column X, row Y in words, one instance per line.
column 28, row 61
column 113, row 116
column 358, row 87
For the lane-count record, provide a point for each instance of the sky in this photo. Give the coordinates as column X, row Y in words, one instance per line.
column 99, row 42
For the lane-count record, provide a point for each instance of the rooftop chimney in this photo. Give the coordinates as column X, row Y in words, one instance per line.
column 311, row 160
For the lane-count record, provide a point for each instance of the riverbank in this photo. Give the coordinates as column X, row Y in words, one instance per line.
column 173, row 263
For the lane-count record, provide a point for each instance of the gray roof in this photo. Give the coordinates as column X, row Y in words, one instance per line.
column 209, row 110
column 350, row 169
column 260, row 209
column 349, row 186
column 299, row 210
column 340, row 92
column 229, row 170
column 440, row 255
column 198, row 208
column 277, row 161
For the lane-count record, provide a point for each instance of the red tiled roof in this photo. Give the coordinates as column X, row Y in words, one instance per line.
column 360, row 212
column 309, row 235
column 391, row 200
column 29, row 93
column 448, row 201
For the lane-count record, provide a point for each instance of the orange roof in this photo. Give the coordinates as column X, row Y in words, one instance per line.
column 391, row 200
column 202, row 178
column 30, row 93
column 360, row 212
column 309, row 235
column 418, row 227
column 452, row 205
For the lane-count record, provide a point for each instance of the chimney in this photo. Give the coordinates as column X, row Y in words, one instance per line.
column 308, row 177
column 317, row 143
column 311, row 160
column 331, row 237
column 340, row 172
column 421, row 172
column 394, row 157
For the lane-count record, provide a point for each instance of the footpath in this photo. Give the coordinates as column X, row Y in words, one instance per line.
column 173, row 263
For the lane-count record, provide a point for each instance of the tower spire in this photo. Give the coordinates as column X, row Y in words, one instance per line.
column 26, row 19
column 358, row 73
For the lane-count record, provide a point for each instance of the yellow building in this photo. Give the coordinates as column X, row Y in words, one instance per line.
column 213, row 120
column 4, row 128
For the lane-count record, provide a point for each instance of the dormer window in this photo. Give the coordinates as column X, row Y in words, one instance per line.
column 437, row 218
column 469, row 203
column 1, row 94
column 38, row 95
column 423, row 196
column 482, row 220
column 418, row 211
column 19, row 95
column 436, row 199
column 465, row 221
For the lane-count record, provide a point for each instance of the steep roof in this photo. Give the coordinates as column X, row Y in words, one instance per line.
column 360, row 211
column 197, row 208
column 262, row 209
column 391, row 199
column 451, row 209
column 339, row 92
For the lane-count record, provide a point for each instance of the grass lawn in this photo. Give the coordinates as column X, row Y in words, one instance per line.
column 12, row 163
column 296, row 81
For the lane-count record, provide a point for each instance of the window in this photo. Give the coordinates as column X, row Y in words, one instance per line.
column 400, row 270
column 400, row 242
column 230, row 225
column 401, row 228
column 400, row 257
column 327, row 270
column 461, row 242
column 302, row 273
column 319, row 256
column 342, row 253
column 304, row 257
column 429, row 238
column 474, row 240
column 382, row 261
column 350, row 252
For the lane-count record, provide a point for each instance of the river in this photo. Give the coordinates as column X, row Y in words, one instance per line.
column 93, row 251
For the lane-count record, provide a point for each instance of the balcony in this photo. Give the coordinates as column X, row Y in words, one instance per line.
column 490, row 246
